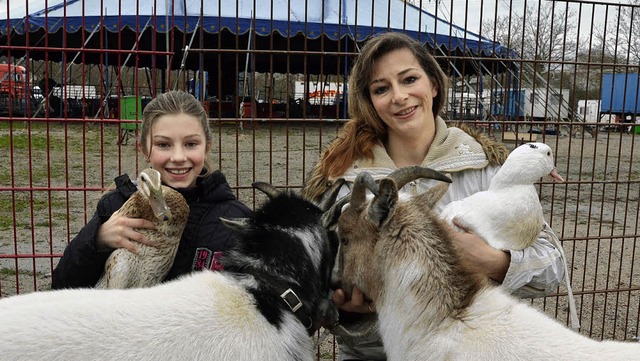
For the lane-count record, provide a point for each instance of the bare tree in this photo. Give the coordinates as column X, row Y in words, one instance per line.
column 620, row 34
column 543, row 33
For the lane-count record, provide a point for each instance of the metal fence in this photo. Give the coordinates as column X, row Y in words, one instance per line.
column 272, row 76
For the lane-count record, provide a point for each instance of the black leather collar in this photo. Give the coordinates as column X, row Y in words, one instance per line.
column 295, row 305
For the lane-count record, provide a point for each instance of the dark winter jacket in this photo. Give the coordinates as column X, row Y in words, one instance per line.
column 202, row 242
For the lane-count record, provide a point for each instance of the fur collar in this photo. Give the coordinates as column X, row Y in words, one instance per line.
column 458, row 148
column 453, row 150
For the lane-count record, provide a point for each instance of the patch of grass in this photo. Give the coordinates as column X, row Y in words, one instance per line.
column 71, row 147
column 43, row 223
column 60, row 137
column 7, row 271
column 21, row 141
column 6, row 221
column 23, row 205
column 12, row 272
column 23, row 202
column 38, row 173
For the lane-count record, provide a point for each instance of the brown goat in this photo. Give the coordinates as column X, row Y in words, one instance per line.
column 431, row 305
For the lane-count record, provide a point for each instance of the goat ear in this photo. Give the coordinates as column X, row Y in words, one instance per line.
column 433, row 195
column 240, row 225
column 384, row 204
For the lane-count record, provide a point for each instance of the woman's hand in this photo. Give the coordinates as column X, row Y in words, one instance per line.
column 119, row 232
column 358, row 302
column 492, row 262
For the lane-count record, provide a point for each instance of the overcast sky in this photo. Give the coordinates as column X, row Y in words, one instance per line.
column 445, row 8
column 17, row 7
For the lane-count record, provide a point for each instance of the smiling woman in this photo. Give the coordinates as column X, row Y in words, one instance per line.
column 402, row 95
column 397, row 90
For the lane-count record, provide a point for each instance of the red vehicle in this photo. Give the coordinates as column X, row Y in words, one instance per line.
column 15, row 91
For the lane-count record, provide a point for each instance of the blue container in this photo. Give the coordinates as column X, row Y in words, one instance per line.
column 620, row 94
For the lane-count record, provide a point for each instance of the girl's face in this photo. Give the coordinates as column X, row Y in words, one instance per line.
column 402, row 94
column 177, row 149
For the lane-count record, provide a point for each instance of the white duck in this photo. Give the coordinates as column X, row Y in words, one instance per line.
column 169, row 211
column 508, row 215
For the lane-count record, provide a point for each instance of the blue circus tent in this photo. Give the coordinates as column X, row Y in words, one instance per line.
column 311, row 32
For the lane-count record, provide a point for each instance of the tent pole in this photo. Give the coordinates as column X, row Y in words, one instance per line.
column 165, row 74
column 186, row 53
column 126, row 60
column 40, row 107
column 146, row 73
column 244, row 78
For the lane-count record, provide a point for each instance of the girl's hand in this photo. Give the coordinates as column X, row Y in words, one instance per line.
column 358, row 302
column 119, row 232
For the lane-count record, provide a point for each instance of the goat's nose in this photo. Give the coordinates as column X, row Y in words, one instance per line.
column 336, row 281
column 336, row 285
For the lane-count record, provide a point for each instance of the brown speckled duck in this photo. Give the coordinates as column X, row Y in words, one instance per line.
column 169, row 211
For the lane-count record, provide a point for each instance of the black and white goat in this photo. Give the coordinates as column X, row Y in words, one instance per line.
column 271, row 296
column 433, row 306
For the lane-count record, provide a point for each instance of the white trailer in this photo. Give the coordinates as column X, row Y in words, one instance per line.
column 76, row 92
column 537, row 104
column 588, row 110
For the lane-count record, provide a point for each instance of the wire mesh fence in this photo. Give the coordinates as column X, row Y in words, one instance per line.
column 75, row 76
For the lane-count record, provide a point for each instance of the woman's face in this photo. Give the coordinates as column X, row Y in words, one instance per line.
column 178, row 149
column 402, row 94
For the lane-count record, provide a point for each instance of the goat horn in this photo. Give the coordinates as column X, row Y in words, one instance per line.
column 405, row 175
column 329, row 197
column 240, row 225
column 266, row 188
column 363, row 181
column 330, row 217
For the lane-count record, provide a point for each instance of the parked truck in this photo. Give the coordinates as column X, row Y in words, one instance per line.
column 15, row 94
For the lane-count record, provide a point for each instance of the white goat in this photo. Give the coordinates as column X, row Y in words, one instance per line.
column 271, row 296
column 431, row 305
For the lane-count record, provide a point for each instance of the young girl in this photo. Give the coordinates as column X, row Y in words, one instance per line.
column 175, row 139
column 396, row 91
